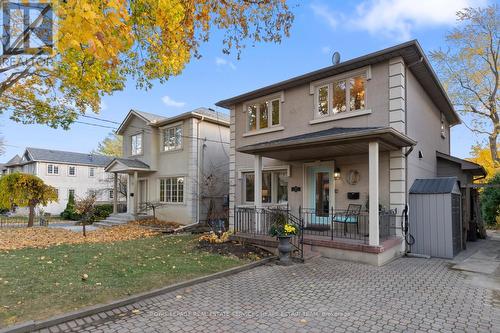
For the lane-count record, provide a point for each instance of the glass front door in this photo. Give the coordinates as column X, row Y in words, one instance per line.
column 319, row 186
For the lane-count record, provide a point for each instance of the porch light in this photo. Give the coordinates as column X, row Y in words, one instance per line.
column 336, row 174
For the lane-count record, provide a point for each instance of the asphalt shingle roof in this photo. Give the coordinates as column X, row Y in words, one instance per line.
column 433, row 185
column 49, row 155
column 14, row 161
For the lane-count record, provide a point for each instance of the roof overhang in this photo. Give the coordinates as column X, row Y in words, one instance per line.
column 192, row 114
column 412, row 54
column 131, row 113
column 322, row 145
column 121, row 167
column 466, row 166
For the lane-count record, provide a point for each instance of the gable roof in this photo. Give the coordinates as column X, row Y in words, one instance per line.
column 412, row 54
column 49, row 155
column 157, row 120
column 468, row 166
column 126, row 164
column 433, row 185
column 16, row 160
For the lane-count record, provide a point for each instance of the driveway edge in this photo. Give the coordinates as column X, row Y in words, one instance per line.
column 32, row 325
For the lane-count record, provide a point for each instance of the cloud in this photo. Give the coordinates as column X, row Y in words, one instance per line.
column 397, row 19
column 326, row 14
column 223, row 62
column 171, row 102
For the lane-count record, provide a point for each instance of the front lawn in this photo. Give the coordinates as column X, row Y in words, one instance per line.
column 37, row 283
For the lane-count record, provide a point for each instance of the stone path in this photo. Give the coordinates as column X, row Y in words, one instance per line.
column 323, row 295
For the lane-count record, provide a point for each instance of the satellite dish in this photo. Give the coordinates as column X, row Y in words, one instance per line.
column 335, row 58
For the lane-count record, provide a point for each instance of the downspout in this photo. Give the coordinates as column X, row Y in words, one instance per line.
column 407, row 153
column 198, row 169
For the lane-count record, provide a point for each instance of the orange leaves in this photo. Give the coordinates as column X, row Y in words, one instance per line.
column 17, row 238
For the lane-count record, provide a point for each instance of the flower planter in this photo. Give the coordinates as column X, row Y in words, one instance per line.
column 284, row 248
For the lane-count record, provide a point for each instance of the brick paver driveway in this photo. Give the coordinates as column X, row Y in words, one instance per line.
column 323, row 295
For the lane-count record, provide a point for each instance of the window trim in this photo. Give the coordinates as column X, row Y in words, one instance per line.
column 91, row 175
column 314, row 87
column 162, row 136
column 183, row 202
column 111, row 194
column 141, row 134
column 443, row 126
column 54, row 167
column 280, row 96
column 69, row 168
column 274, row 189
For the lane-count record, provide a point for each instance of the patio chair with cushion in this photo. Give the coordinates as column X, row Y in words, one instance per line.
column 349, row 216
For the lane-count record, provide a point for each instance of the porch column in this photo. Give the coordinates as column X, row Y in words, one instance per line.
column 136, row 188
column 129, row 198
column 373, row 190
column 115, row 193
column 257, row 167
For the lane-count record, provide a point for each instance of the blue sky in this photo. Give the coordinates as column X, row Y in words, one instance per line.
column 353, row 28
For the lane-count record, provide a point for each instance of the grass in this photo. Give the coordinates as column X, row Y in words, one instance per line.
column 39, row 283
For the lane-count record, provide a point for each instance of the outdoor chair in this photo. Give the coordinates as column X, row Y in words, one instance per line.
column 350, row 216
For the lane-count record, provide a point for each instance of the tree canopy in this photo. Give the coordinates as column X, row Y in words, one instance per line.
column 469, row 68
column 482, row 156
column 100, row 44
column 25, row 190
column 111, row 145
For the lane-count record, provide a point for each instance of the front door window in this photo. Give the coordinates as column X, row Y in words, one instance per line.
column 322, row 195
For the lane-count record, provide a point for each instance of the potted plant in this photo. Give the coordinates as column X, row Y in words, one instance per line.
column 284, row 232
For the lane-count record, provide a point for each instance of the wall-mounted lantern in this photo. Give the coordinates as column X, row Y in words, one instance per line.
column 336, row 174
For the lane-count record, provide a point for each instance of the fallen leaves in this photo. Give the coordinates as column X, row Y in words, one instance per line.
column 41, row 237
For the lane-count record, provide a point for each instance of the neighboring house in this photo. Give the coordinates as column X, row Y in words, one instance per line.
column 68, row 172
column 353, row 136
column 180, row 162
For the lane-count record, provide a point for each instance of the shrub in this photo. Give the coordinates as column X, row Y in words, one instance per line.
column 101, row 212
column 70, row 212
column 490, row 201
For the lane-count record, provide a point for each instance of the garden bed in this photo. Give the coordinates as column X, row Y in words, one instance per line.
column 231, row 248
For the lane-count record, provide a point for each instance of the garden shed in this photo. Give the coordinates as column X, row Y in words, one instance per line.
column 435, row 217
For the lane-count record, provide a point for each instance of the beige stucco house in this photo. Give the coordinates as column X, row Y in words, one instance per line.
column 180, row 163
column 353, row 136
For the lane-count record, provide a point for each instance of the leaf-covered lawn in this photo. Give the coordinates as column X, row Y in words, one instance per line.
column 38, row 283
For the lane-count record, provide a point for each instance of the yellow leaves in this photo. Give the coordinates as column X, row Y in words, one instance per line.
column 17, row 238
column 214, row 239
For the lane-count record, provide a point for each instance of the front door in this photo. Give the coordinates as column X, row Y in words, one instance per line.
column 320, row 186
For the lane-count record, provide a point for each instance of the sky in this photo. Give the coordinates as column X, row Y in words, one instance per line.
column 353, row 28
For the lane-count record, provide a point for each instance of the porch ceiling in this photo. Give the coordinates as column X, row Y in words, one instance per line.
column 331, row 142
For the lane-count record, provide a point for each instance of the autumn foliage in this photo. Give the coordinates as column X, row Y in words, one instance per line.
column 25, row 190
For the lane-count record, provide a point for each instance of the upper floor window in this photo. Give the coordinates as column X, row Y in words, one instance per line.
column 263, row 115
column 340, row 96
column 172, row 138
column 136, row 141
column 91, row 172
column 172, row 189
column 71, row 170
column 52, row 169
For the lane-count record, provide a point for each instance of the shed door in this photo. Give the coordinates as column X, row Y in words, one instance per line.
column 456, row 223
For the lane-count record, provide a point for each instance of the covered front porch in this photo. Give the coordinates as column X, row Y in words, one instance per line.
column 345, row 188
column 137, row 187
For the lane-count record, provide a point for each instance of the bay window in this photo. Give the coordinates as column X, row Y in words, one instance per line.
column 263, row 115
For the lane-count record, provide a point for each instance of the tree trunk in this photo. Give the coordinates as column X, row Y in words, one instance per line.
column 31, row 218
column 493, row 147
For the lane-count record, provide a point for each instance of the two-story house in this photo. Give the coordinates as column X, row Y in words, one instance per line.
column 340, row 147
column 68, row 172
column 180, row 163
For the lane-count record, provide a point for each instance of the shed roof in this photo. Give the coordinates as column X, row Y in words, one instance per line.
column 433, row 185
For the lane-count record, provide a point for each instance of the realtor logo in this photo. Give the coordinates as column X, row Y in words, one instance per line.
column 27, row 27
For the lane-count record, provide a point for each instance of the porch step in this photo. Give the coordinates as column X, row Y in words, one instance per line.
column 114, row 220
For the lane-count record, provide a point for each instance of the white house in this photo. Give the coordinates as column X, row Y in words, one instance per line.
column 68, row 172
